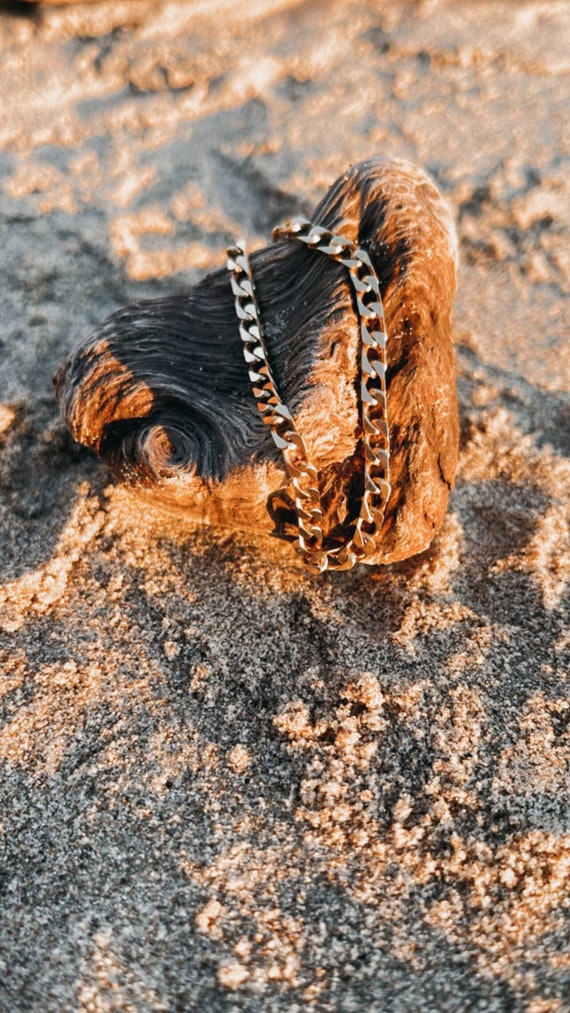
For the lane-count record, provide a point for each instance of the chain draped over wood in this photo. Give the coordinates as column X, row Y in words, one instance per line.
column 359, row 540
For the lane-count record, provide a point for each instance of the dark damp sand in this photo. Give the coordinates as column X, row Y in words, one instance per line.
column 227, row 785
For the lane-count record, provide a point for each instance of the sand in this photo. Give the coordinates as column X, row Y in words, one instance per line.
column 228, row 785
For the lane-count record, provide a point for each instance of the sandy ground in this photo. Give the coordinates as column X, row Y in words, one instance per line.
column 227, row 785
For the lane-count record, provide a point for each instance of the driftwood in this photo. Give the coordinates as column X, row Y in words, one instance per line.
column 160, row 390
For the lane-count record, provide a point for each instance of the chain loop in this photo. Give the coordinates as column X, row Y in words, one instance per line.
column 359, row 540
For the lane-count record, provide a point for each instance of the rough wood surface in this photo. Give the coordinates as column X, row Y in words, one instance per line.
column 160, row 389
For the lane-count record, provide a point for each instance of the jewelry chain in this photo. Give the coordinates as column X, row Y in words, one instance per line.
column 375, row 433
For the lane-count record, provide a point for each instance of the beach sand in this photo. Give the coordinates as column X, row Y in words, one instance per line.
column 225, row 784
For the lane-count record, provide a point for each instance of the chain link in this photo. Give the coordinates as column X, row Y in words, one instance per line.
column 359, row 537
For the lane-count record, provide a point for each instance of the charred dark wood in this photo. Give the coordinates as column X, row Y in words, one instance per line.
column 160, row 389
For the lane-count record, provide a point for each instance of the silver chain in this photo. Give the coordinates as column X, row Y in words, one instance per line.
column 359, row 542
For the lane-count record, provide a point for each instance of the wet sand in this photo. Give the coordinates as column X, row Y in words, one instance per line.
column 226, row 784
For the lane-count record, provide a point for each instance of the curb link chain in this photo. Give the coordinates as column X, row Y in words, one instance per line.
column 373, row 403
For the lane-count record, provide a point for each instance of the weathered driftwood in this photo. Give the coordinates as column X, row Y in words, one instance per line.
column 160, row 390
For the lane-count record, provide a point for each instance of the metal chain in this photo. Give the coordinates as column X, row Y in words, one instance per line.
column 360, row 541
